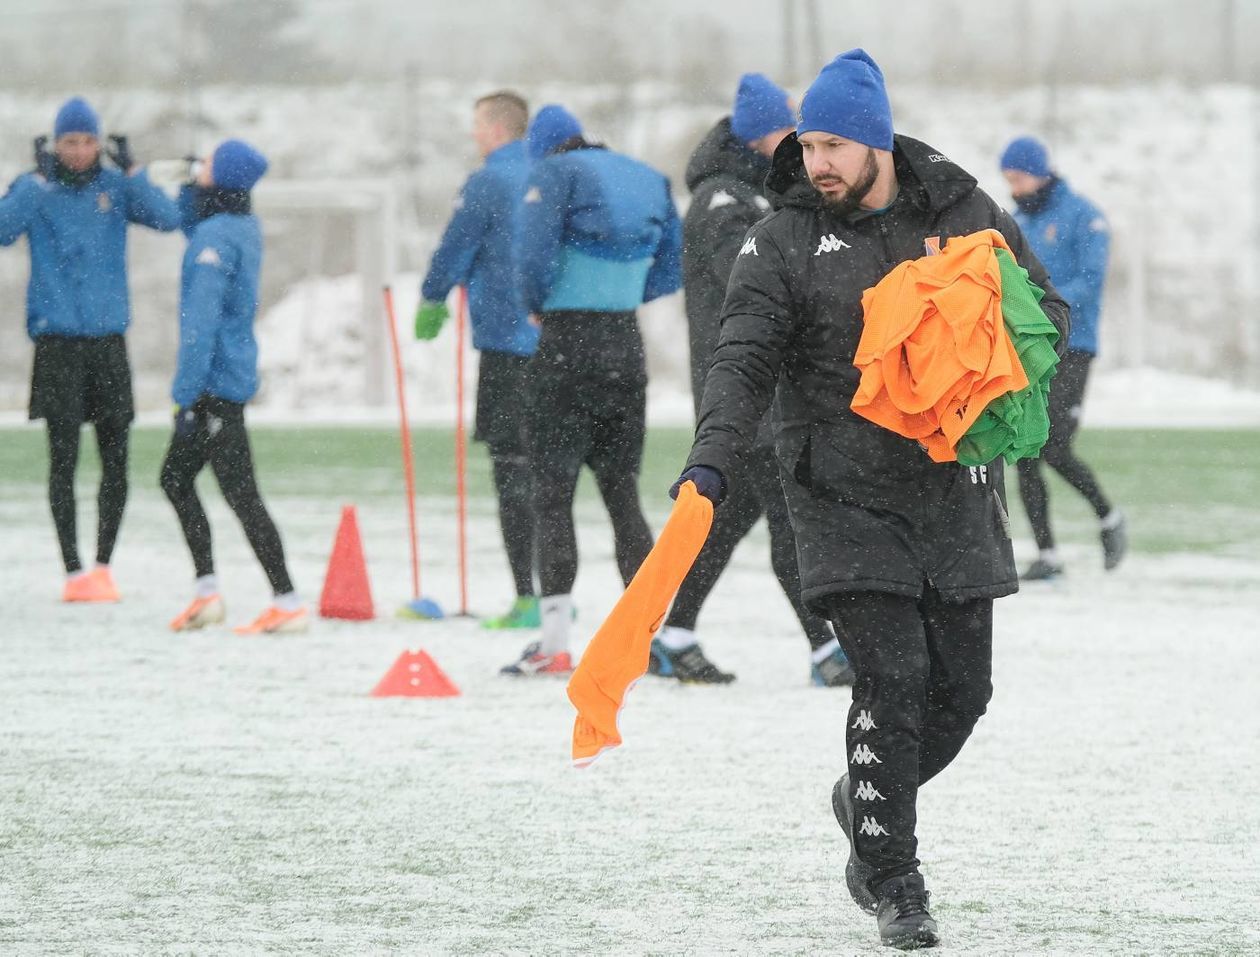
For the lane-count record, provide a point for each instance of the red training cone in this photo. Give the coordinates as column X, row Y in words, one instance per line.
column 347, row 593
column 415, row 675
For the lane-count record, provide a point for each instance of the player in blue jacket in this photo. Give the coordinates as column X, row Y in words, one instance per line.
column 476, row 251
column 598, row 234
column 217, row 373
column 74, row 212
column 1071, row 238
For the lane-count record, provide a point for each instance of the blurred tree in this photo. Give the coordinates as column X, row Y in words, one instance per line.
column 249, row 41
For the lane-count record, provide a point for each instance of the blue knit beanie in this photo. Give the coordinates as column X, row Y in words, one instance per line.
column 761, row 107
column 551, row 126
column 848, row 99
column 237, row 165
column 76, row 116
column 1028, row 155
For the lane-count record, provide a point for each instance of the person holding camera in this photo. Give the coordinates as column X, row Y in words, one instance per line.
column 74, row 211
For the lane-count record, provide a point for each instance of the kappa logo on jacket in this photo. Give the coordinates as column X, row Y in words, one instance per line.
column 208, row 257
column 534, row 195
column 830, row 244
column 864, row 721
column 749, row 247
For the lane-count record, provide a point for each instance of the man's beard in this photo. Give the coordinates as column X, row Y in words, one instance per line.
column 847, row 204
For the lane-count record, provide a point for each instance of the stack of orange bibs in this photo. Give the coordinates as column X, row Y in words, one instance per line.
column 934, row 351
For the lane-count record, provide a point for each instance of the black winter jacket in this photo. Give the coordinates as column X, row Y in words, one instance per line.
column 725, row 178
column 871, row 511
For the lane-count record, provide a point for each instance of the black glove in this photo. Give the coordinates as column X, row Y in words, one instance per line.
column 185, row 423
column 121, row 153
column 708, row 481
column 45, row 161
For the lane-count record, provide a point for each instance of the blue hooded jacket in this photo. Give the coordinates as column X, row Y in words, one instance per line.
column 476, row 250
column 1071, row 238
column 218, row 299
column 78, row 242
column 598, row 231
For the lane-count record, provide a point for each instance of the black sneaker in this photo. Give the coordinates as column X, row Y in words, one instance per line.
column 1042, row 571
column 856, row 874
column 1115, row 542
column 688, row 665
column 904, row 921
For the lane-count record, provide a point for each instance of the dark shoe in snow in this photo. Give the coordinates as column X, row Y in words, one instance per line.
column 1042, row 571
column 688, row 665
column 903, row 918
column 1115, row 543
column 856, row 874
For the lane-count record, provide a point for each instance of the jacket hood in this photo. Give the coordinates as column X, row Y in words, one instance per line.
column 721, row 153
column 931, row 180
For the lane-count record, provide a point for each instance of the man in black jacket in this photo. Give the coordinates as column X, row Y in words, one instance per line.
column 726, row 176
column 904, row 555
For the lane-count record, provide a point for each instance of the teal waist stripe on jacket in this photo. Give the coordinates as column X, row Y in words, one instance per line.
column 589, row 283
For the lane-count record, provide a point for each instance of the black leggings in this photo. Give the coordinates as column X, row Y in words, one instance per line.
column 220, row 439
column 588, row 405
column 516, row 514
column 755, row 490
column 923, row 672
column 1067, row 394
column 63, row 459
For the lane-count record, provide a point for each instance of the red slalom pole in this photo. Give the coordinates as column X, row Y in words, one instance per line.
column 461, row 448
column 418, row 607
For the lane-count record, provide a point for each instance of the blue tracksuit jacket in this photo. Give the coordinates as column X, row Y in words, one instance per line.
column 597, row 231
column 476, row 250
column 218, row 354
column 78, row 243
column 1071, row 238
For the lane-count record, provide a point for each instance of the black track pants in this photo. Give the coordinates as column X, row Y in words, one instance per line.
column 1067, row 393
column 923, row 679
column 112, row 438
column 757, row 490
column 588, row 393
column 221, row 440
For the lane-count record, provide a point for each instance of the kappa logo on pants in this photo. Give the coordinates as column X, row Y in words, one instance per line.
column 864, row 721
column 866, row 792
column 864, row 755
column 872, row 827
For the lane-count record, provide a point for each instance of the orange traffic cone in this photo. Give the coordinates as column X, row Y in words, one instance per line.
column 415, row 675
column 347, row 593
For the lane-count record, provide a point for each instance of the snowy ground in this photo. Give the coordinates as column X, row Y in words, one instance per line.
column 214, row 794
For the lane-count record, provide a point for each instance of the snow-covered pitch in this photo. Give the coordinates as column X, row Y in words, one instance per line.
column 210, row 794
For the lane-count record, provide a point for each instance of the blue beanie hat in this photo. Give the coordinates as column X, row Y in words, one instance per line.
column 761, row 107
column 551, row 126
column 76, row 116
column 848, row 99
column 1028, row 155
column 237, row 165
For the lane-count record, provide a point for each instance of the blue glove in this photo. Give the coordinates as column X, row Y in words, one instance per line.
column 708, row 481
column 185, row 423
